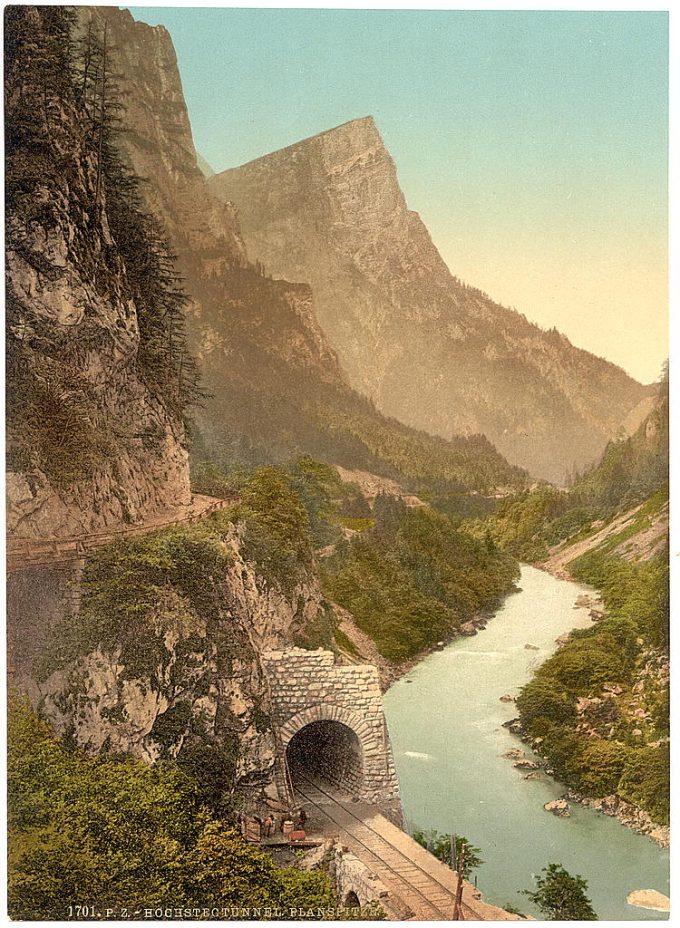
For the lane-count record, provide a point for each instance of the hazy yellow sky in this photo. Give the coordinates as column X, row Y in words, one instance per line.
column 611, row 301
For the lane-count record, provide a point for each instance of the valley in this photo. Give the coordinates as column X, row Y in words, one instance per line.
column 290, row 508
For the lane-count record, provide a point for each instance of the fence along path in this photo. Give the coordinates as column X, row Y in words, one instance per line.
column 47, row 552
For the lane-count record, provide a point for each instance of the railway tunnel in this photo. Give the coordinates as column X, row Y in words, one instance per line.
column 329, row 728
column 326, row 752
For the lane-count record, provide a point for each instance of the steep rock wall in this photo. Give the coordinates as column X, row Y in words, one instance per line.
column 201, row 683
column 429, row 350
column 90, row 444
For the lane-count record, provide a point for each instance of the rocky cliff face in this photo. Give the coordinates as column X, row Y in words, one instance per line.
column 199, row 686
column 429, row 350
column 276, row 387
column 90, row 444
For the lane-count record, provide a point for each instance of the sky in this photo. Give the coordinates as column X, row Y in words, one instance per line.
column 533, row 144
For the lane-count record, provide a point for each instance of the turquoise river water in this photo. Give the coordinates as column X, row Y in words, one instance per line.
column 445, row 721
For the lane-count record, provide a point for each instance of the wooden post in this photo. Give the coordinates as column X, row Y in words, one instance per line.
column 458, row 908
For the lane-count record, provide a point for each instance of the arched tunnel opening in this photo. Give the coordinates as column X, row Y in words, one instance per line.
column 326, row 752
column 351, row 900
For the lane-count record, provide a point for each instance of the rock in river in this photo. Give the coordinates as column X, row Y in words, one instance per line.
column 558, row 807
column 649, row 899
column 468, row 628
column 514, row 726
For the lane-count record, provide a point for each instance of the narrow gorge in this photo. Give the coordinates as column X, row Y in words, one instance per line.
column 265, row 456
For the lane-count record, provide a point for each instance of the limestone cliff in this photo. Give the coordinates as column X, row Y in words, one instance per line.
column 90, row 441
column 429, row 350
column 190, row 683
column 275, row 386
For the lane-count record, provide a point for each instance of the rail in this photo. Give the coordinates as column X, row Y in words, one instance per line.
column 398, row 876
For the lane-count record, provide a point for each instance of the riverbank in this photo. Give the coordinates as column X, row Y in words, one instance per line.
column 389, row 672
column 634, row 818
column 478, row 623
column 628, row 814
column 445, row 719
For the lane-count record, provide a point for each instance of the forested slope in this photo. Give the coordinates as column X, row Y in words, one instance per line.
column 599, row 708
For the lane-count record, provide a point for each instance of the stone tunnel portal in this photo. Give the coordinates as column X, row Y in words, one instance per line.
column 326, row 752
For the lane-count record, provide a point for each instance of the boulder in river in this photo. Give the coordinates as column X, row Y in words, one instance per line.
column 531, row 647
column 533, row 775
column 514, row 726
column 468, row 628
column 507, row 698
column 526, row 765
column 558, row 807
column 514, row 754
column 649, row 899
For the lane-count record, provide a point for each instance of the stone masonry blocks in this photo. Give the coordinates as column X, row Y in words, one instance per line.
column 308, row 686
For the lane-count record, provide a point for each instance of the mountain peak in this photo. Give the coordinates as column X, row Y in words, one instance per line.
column 354, row 135
column 428, row 350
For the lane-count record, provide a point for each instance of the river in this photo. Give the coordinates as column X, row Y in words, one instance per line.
column 445, row 722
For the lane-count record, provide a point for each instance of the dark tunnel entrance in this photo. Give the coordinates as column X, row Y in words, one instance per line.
column 326, row 752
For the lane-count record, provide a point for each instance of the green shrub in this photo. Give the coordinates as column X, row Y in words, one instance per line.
column 646, row 781
column 171, row 724
column 112, row 833
column 584, row 664
column 544, row 698
column 598, row 767
column 277, row 534
column 133, row 591
column 561, row 896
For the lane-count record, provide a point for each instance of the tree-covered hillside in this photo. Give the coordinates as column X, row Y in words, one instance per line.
column 408, row 575
column 598, row 709
column 633, row 472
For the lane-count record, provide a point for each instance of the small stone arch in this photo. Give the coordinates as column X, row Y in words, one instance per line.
column 351, row 900
column 324, row 712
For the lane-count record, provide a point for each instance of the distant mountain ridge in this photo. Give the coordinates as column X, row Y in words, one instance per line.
column 426, row 348
column 276, row 388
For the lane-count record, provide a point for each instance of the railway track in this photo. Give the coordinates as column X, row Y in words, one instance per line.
column 416, row 885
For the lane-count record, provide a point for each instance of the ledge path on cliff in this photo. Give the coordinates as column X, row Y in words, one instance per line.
column 36, row 552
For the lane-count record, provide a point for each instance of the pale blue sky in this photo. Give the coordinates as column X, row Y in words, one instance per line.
column 533, row 144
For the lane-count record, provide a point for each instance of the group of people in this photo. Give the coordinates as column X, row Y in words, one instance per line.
column 272, row 823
